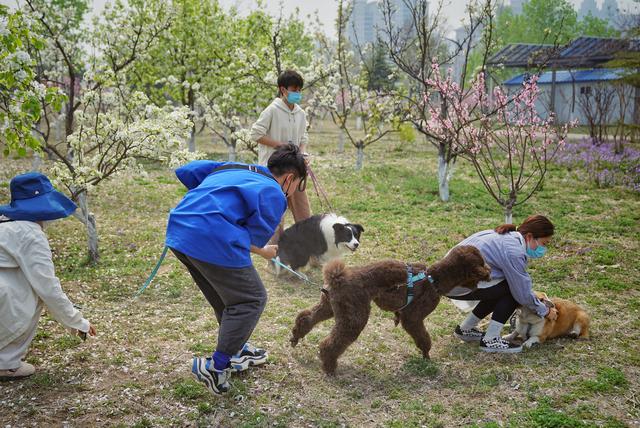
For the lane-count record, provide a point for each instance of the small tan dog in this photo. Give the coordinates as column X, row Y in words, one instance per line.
column 572, row 321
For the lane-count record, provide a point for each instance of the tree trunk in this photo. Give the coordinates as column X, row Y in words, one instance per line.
column 360, row 157
column 508, row 215
column 341, row 141
column 36, row 162
column 89, row 222
column 232, row 151
column 445, row 169
column 192, row 139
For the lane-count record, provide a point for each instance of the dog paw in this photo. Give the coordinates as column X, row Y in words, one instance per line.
column 529, row 343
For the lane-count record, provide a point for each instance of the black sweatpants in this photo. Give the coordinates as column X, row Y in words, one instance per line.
column 237, row 296
column 496, row 300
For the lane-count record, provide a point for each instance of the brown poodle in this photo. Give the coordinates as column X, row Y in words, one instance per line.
column 348, row 292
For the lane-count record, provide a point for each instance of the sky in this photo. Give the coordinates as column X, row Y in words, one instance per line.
column 327, row 9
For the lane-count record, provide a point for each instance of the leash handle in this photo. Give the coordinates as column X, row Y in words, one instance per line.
column 153, row 272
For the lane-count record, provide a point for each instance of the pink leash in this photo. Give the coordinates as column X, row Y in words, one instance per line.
column 322, row 195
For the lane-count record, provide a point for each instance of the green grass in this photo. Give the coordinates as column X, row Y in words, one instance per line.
column 137, row 371
column 607, row 380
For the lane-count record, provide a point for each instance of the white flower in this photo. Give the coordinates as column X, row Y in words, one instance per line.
column 3, row 27
column 22, row 56
column 39, row 89
column 20, row 75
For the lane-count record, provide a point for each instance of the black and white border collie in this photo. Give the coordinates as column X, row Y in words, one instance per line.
column 325, row 236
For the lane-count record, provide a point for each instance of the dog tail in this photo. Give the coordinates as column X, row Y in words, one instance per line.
column 334, row 272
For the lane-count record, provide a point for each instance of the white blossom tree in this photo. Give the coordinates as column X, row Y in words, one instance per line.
column 21, row 95
column 192, row 56
column 344, row 94
column 115, row 128
column 107, row 127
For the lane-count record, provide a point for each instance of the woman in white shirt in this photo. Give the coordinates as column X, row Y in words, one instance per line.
column 27, row 276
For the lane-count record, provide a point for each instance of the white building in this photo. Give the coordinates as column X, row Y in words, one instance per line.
column 367, row 19
column 583, row 94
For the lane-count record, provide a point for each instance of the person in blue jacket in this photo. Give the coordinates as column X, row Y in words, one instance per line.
column 230, row 211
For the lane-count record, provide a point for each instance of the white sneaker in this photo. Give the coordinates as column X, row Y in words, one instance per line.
column 216, row 381
column 248, row 356
column 25, row 370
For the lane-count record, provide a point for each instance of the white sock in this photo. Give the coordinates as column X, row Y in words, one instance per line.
column 493, row 330
column 470, row 322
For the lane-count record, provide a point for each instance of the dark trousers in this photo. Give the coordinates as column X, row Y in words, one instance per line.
column 496, row 300
column 237, row 296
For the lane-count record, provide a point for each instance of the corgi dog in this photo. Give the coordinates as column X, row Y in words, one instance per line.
column 572, row 321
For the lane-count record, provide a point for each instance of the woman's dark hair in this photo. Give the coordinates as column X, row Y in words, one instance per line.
column 538, row 225
column 287, row 158
column 290, row 78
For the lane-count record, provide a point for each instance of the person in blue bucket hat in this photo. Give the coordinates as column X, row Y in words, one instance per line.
column 230, row 211
column 27, row 276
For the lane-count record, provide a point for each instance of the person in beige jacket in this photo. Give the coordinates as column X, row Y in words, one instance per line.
column 284, row 122
column 27, row 277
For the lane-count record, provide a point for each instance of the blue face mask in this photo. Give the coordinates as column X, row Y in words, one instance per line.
column 294, row 97
column 538, row 252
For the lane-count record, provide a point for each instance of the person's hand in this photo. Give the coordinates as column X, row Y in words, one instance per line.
column 552, row 314
column 269, row 251
column 91, row 332
column 307, row 158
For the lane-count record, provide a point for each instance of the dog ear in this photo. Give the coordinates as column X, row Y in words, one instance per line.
column 359, row 227
column 338, row 226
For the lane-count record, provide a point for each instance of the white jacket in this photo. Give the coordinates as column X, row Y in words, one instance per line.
column 28, row 280
column 282, row 124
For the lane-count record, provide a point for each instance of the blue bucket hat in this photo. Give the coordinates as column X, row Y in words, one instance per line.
column 33, row 198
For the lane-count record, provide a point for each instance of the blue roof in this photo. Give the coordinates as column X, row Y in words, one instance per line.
column 564, row 76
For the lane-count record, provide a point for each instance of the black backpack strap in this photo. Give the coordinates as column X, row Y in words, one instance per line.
column 251, row 168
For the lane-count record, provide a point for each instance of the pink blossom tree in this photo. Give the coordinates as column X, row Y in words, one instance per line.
column 502, row 135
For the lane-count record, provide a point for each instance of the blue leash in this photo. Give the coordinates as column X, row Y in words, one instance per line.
column 302, row 276
column 153, row 272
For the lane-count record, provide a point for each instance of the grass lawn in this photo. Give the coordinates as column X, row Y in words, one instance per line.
column 137, row 371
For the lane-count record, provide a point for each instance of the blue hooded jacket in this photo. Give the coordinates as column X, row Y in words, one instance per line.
column 224, row 213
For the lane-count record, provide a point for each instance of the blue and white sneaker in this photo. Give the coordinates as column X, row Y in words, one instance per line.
column 247, row 357
column 216, row 381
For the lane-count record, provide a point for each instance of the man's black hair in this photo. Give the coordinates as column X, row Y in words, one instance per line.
column 290, row 78
column 287, row 158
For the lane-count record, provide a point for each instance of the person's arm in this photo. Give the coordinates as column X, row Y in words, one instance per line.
column 36, row 263
column 193, row 173
column 260, row 129
column 268, row 141
column 266, row 208
column 520, row 285
column 268, row 251
column 304, row 140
